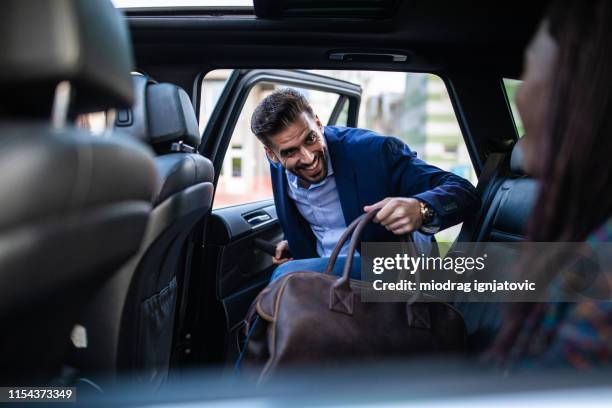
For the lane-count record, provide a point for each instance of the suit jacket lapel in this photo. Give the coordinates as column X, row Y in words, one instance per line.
column 346, row 180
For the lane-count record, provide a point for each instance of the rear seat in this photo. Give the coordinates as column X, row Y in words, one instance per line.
column 507, row 197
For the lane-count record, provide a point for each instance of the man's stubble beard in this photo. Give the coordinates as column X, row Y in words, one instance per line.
column 324, row 170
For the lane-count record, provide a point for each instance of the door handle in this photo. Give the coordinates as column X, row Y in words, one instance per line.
column 257, row 217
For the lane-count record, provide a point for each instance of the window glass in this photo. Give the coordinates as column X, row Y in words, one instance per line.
column 94, row 122
column 511, row 85
column 343, row 117
column 236, row 166
column 245, row 175
column 411, row 106
column 212, row 87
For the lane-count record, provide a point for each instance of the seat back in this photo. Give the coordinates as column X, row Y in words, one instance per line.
column 74, row 206
column 139, row 306
column 507, row 200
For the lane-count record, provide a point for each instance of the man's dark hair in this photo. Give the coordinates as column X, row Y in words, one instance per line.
column 277, row 111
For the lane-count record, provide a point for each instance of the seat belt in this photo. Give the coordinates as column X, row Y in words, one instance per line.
column 492, row 165
column 491, row 168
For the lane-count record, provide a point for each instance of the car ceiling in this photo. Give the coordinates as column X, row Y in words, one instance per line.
column 438, row 36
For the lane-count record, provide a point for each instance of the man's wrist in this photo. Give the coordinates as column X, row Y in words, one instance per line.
column 430, row 222
column 427, row 213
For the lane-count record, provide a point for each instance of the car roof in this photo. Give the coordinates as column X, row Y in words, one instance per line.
column 436, row 35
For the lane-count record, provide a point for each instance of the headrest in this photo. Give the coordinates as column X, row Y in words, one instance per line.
column 162, row 115
column 516, row 159
column 84, row 42
column 171, row 116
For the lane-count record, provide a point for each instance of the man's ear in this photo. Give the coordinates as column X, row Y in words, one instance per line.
column 271, row 156
column 318, row 122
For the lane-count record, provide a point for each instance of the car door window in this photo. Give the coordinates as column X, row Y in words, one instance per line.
column 414, row 107
column 417, row 109
column 510, row 85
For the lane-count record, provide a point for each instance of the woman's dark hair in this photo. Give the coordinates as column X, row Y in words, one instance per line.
column 277, row 111
column 576, row 167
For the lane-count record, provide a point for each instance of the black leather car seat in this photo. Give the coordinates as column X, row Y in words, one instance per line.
column 130, row 324
column 74, row 206
column 508, row 198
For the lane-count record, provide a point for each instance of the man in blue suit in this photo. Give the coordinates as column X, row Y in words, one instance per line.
column 323, row 177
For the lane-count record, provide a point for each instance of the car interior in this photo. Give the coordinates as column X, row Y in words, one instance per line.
column 118, row 266
column 134, row 313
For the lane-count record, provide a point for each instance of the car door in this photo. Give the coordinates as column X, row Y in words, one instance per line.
column 236, row 267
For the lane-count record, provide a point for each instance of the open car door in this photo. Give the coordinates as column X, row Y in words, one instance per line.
column 232, row 270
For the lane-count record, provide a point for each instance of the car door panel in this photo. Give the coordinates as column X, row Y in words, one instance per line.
column 233, row 230
column 241, row 270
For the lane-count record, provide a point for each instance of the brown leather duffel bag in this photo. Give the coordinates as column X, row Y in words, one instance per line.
column 317, row 318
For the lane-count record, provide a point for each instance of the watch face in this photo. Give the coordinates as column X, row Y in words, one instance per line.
column 426, row 213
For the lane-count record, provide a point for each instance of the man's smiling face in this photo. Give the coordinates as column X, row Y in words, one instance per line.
column 301, row 149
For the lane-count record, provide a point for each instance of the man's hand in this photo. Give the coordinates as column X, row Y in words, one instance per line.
column 398, row 214
column 281, row 248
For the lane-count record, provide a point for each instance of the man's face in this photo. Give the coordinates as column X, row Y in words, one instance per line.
column 301, row 149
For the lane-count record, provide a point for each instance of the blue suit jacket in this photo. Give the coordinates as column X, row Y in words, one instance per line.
column 368, row 168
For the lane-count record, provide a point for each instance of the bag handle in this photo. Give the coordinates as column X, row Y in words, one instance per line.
column 341, row 298
column 345, row 235
column 367, row 217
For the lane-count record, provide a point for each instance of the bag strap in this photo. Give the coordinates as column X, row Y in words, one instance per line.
column 345, row 235
column 341, row 296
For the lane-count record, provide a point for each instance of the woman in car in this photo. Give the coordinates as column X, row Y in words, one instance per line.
column 565, row 102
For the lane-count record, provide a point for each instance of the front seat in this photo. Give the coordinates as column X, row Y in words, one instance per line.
column 130, row 324
column 508, row 198
column 74, row 206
